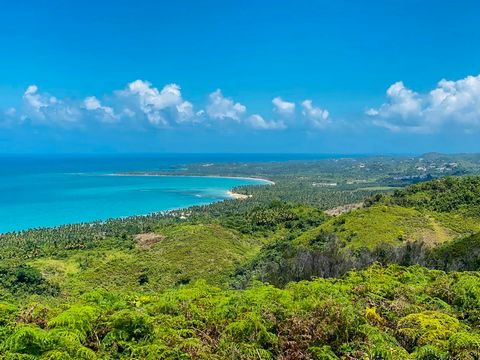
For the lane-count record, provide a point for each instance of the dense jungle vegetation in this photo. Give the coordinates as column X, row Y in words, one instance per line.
column 397, row 276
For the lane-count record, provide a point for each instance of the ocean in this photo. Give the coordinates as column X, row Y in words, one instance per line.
column 45, row 191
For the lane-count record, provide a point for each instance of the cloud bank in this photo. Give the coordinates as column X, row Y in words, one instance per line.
column 450, row 103
column 141, row 104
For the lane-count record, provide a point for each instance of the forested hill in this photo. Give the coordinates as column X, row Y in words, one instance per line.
column 261, row 278
column 431, row 224
column 446, row 194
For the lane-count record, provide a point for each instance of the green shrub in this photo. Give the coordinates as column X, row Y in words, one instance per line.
column 464, row 345
column 428, row 328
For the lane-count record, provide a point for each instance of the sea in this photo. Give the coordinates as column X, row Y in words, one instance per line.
column 50, row 190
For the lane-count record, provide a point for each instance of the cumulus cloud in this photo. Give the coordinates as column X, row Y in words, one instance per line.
column 221, row 108
column 151, row 97
column 141, row 104
column 105, row 113
column 457, row 100
column 158, row 106
column 403, row 104
column 45, row 108
column 92, row 103
column 283, row 108
column 36, row 101
column 258, row 122
column 185, row 112
column 138, row 103
column 315, row 116
column 450, row 102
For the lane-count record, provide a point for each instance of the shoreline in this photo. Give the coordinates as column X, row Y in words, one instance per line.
column 269, row 182
column 229, row 195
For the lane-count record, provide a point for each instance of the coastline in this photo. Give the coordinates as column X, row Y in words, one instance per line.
column 266, row 181
column 227, row 195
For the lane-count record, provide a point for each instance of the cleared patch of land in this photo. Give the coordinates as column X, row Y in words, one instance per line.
column 147, row 240
column 339, row 210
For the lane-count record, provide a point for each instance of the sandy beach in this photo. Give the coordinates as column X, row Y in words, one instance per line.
column 230, row 194
column 237, row 196
column 270, row 182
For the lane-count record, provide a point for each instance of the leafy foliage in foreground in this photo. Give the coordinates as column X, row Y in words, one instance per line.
column 378, row 313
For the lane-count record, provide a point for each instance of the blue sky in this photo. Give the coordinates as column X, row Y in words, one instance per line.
column 240, row 76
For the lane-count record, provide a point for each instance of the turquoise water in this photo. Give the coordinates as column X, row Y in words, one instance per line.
column 35, row 195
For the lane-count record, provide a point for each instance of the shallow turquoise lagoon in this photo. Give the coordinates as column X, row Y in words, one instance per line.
column 50, row 199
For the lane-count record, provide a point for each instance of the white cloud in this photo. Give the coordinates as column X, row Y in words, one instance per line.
column 105, row 113
column 140, row 103
column 35, row 102
column 222, row 108
column 451, row 102
column 403, row 104
column 316, row 116
column 457, row 100
column 283, row 108
column 44, row 108
column 138, row 100
column 372, row 112
column 185, row 111
column 159, row 107
column 92, row 103
column 258, row 122
column 150, row 96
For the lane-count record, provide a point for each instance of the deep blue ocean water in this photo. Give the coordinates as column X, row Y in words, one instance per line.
column 43, row 191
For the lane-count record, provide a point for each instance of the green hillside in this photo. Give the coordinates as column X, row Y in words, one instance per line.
column 388, row 229
column 431, row 212
column 448, row 194
column 172, row 255
column 372, row 226
column 396, row 279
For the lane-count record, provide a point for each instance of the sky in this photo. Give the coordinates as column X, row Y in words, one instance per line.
column 395, row 76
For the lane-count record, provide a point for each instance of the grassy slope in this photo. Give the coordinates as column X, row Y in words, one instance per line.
column 186, row 253
column 369, row 227
column 434, row 212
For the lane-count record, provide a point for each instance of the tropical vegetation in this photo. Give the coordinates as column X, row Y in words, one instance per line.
column 274, row 276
